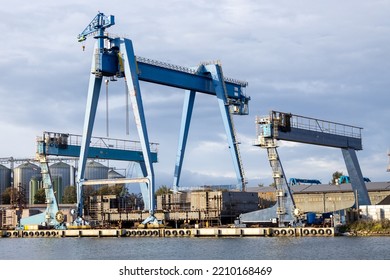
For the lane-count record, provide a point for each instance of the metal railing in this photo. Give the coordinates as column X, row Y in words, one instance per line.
column 313, row 124
column 97, row 142
column 184, row 69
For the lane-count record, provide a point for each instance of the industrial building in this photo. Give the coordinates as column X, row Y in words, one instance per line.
column 324, row 198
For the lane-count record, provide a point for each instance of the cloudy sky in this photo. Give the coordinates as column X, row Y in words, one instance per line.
column 323, row 59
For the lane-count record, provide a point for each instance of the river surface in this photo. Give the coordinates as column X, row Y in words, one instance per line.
column 247, row 248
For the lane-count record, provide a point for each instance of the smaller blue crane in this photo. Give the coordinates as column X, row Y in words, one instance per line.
column 97, row 26
column 345, row 180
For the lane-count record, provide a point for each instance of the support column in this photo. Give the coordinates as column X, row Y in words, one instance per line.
column 218, row 82
column 130, row 67
column 95, row 83
column 356, row 176
column 183, row 136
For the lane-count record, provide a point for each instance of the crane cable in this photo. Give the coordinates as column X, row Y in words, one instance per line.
column 107, row 121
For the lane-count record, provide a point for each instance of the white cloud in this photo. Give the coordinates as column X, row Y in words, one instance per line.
column 327, row 60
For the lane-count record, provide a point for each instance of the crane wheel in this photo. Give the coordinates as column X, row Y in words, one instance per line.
column 60, row 217
column 329, row 232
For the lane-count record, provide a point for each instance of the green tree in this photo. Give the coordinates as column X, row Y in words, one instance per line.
column 69, row 196
column 40, row 196
column 335, row 177
column 114, row 190
column 6, row 196
column 163, row 190
column 135, row 201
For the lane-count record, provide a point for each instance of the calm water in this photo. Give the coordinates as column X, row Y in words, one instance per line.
column 261, row 248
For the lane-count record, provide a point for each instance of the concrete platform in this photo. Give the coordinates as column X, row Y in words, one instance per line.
column 201, row 232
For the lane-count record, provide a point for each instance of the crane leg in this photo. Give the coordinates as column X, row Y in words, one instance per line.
column 183, row 136
column 130, row 67
column 95, row 83
column 356, row 176
column 218, row 82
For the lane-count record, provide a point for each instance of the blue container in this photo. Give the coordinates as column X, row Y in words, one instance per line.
column 311, row 218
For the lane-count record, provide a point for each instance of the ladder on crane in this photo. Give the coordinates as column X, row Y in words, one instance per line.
column 285, row 208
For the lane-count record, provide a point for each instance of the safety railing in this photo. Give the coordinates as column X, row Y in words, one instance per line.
column 97, row 142
column 313, row 124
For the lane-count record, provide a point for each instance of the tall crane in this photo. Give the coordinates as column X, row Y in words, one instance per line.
column 114, row 57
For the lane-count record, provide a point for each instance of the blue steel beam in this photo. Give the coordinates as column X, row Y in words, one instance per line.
column 95, row 83
column 188, row 106
column 189, row 81
column 130, row 69
column 356, row 176
column 320, row 138
column 100, row 153
column 215, row 71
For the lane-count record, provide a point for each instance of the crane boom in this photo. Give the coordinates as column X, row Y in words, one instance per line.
column 97, row 25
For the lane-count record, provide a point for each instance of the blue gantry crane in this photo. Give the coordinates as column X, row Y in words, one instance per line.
column 288, row 127
column 114, row 57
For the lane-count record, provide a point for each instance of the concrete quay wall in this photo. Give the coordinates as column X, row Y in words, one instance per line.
column 201, row 232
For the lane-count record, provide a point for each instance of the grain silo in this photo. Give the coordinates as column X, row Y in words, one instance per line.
column 34, row 185
column 95, row 170
column 63, row 170
column 62, row 176
column 112, row 174
column 58, row 187
column 23, row 174
column 5, row 178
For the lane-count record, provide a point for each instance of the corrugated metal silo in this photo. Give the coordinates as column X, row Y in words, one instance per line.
column 95, row 170
column 112, row 174
column 63, row 170
column 34, row 185
column 62, row 176
column 58, row 187
column 5, row 178
column 23, row 174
